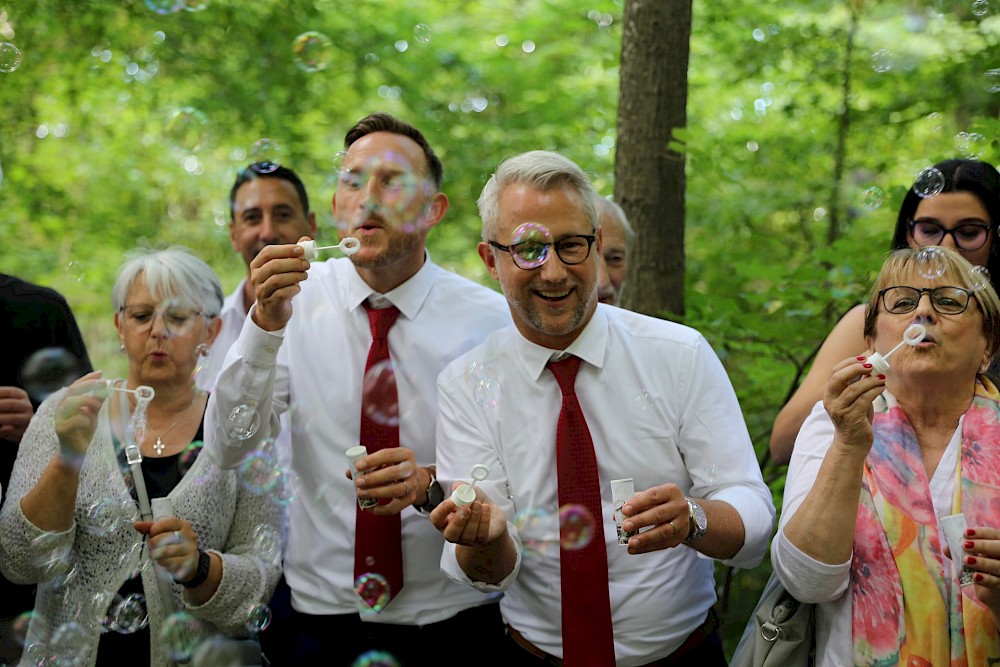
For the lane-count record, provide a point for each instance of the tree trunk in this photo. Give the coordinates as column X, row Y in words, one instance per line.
column 649, row 177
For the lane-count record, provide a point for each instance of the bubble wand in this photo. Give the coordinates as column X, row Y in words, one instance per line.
column 914, row 334
column 465, row 494
column 348, row 246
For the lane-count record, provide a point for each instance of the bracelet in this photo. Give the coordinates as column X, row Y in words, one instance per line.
column 201, row 573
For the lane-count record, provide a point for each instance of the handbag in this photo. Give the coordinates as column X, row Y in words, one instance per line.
column 780, row 632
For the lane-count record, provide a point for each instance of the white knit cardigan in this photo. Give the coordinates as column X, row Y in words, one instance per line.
column 221, row 509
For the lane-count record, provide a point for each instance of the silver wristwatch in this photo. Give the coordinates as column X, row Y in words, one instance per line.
column 699, row 522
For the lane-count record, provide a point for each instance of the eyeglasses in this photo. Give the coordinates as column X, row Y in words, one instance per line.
column 945, row 300
column 967, row 236
column 532, row 254
column 139, row 318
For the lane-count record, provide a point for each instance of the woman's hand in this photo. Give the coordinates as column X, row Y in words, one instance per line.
column 76, row 416
column 173, row 544
column 848, row 401
column 982, row 556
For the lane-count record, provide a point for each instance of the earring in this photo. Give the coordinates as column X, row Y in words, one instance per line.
column 121, row 348
column 201, row 350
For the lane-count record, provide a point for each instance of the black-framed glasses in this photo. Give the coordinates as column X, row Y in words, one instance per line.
column 967, row 236
column 532, row 254
column 177, row 320
column 947, row 300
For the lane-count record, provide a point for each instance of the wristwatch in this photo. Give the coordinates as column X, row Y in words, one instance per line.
column 699, row 522
column 435, row 494
column 201, row 572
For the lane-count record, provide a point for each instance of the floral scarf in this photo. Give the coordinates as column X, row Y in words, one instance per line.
column 903, row 611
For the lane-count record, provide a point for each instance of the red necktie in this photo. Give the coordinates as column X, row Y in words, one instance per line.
column 378, row 545
column 588, row 637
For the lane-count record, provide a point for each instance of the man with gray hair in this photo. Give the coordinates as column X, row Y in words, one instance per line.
column 619, row 463
column 617, row 236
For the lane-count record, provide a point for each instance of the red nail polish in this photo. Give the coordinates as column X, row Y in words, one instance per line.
column 978, row 577
column 970, row 560
column 970, row 533
column 968, row 545
column 867, row 365
column 861, row 358
column 881, row 377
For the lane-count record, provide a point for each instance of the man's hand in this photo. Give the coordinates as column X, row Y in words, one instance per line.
column 389, row 473
column 15, row 413
column 275, row 274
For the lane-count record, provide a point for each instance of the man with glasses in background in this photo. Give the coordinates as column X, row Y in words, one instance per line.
column 617, row 238
column 589, row 399
column 356, row 364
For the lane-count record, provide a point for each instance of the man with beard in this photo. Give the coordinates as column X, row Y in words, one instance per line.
column 268, row 205
column 357, row 363
column 594, row 398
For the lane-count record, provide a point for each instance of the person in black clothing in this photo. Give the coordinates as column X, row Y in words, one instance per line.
column 42, row 337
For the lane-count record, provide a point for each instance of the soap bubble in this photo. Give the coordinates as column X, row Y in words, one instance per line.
column 488, row 392
column 536, row 527
column 258, row 618
column 882, row 61
column 180, row 634
column 379, row 397
column 70, row 642
column 312, row 51
column 103, row 516
column 422, row 33
column 992, row 84
column 218, row 651
column 375, row 659
column 392, row 186
column 531, row 238
column 374, row 591
column 982, row 8
column 929, row 182
column 48, row 370
column 259, row 472
column 266, row 544
column 194, row 5
column 872, row 197
column 130, row 614
column 971, row 145
column 931, row 262
column 979, row 278
column 10, row 57
column 76, row 271
column 19, row 629
column 265, row 154
column 164, row 7
column 186, row 128
column 244, row 421
column 576, row 526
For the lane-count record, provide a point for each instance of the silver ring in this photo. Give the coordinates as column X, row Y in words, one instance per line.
column 177, row 534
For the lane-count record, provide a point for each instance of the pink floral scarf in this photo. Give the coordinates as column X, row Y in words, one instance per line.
column 903, row 611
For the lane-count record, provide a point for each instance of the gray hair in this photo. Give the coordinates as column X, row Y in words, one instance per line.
column 605, row 205
column 543, row 170
column 174, row 272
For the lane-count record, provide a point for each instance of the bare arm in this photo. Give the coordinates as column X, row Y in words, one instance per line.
column 844, row 340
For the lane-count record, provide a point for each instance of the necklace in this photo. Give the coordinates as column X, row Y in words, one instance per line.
column 159, row 445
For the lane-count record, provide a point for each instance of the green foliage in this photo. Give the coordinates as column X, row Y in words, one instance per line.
column 96, row 159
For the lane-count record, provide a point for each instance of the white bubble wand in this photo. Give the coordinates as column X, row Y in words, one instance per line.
column 348, row 246
column 914, row 334
column 465, row 494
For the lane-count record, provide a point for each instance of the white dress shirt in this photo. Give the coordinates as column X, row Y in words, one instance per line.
column 314, row 370
column 660, row 409
column 232, row 317
column 808, row 579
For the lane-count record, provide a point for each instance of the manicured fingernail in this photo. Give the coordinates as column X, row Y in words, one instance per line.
column 968, row 545
column 970, row 560
column 881, row 377
column 970, row 533
column 861, row 358
column 978, row 577
column 867, row 365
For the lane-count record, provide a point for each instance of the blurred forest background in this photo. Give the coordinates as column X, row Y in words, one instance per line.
column 124, row 122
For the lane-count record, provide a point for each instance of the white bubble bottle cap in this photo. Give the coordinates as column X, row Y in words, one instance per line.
column 465, row 494
column 349, row 245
